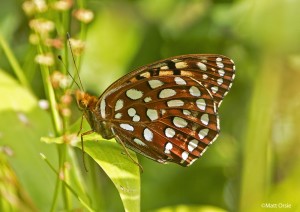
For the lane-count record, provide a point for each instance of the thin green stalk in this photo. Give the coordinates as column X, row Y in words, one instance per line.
column 14, row 63
column 52, row 101
column 56, row 124
column 86, row 205
column 56, row 192
column 49, row 92
column 66, row 197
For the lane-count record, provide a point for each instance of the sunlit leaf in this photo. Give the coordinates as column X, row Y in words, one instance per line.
column 117, row 165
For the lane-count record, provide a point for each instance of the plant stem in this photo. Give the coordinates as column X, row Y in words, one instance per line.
column 86, row 205
column 14, row 63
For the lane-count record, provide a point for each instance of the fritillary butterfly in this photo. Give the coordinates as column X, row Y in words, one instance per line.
column 167, row 110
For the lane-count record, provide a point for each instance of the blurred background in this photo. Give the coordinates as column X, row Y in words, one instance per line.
column 255, row 163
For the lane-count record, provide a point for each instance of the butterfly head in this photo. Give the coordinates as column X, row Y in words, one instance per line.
column 87, row 104
column 85, row 101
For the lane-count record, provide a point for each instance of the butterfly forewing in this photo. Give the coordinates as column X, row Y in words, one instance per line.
column 167, row 111
column 215, row 72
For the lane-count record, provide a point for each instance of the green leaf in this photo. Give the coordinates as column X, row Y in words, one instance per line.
column 21, row 126
column 117, row 165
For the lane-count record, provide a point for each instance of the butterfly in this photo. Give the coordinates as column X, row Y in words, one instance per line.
column 167, row 110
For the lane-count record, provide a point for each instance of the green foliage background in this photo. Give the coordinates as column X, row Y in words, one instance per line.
column 253, row 165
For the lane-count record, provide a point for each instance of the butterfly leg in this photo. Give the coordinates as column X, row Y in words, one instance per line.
column 82, row 146
column 80, row 128
column 127, row 153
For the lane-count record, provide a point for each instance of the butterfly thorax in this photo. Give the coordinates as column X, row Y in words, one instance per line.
column 88, row 104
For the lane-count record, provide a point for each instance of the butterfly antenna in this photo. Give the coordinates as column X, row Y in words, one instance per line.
column 61, row 60
column 77, row 72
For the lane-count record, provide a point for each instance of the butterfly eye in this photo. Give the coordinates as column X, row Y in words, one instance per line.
column 166, row 111
column 81, row 104
column 80, row 96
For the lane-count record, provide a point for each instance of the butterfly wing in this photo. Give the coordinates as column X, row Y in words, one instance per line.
column 167, row 110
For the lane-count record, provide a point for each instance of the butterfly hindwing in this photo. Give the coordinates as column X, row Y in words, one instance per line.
column 175, row 117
